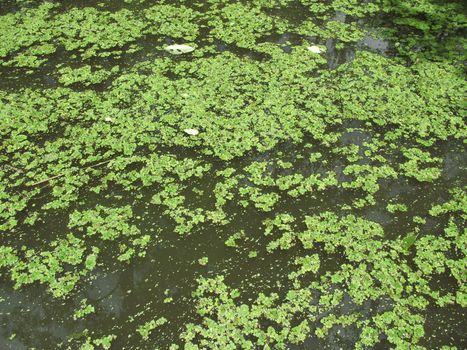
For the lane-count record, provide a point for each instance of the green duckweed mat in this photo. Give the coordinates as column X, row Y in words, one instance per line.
column 264, row 174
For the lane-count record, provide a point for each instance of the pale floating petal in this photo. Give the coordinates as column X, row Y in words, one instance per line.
column 178, row 49
column 192, row 132
column 315, row 49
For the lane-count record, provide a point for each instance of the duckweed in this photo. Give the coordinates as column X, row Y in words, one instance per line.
column 232, row 175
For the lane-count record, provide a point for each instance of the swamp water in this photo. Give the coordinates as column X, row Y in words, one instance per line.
column 320, row 204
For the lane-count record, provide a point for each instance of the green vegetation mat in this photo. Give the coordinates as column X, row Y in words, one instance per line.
column 264, row 174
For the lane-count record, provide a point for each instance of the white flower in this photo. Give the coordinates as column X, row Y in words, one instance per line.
column 192, row 132
column 178, row 49
column 108, row 119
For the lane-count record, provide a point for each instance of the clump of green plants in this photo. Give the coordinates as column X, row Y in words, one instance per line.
column 59, row 268
column 84, row 75
column 146, row 329
column 84, row 310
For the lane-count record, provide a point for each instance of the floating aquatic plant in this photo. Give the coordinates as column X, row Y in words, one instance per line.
column 326, row 181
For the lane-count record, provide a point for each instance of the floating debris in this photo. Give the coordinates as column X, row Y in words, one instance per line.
column 192, row 132
column 178, row 49
column 315, row 49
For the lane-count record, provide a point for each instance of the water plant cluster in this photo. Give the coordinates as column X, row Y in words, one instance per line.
column 260, row 174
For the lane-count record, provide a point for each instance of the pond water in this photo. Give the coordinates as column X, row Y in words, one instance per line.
column 321, row 205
